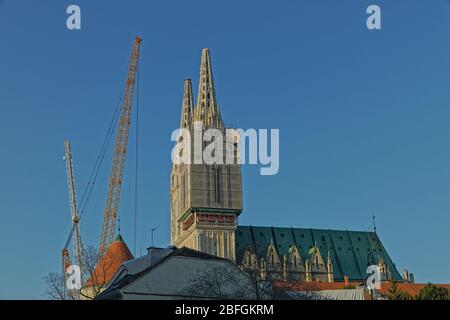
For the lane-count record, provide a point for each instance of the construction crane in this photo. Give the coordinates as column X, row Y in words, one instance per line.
column 74, row 217
column 120, row 150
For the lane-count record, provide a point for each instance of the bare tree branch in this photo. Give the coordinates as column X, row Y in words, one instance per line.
column 96, row 271
column 225, row 282
column 54, row 286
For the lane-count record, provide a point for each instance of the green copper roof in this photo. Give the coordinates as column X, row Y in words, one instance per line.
column 351, row 251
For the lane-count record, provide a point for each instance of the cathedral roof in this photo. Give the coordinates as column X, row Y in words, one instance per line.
column 350, row 251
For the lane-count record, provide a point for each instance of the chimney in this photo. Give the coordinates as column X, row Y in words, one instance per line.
column 155, row 254
column 153, row 250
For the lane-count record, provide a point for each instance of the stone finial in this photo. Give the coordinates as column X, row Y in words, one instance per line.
column 405, row 275
column 330, row 273
column 308, row 275
column 263, row 269
column 411, row 278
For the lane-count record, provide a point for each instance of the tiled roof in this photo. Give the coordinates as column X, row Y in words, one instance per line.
column 351, row 251
column 117, row 254
column 188, row 252
column 316, row 286
column 135, row 268
column 410, row 288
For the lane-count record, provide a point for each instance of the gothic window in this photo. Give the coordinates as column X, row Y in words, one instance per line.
column 183, row 190
column 186, row 187
column 225, row 245
column 217, row 191
column 272, row 258
column 203, row 242
column 172, row 179
column 214, row 243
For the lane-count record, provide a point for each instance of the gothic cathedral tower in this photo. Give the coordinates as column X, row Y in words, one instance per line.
column 205, row 199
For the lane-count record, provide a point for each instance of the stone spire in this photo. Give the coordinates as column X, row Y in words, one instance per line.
column 188, row 105
column 207, row 109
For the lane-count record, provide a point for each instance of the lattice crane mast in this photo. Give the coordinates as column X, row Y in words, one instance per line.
column 74, row 217
column 120, row 150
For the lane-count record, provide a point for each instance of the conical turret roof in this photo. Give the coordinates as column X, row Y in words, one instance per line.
column 115, row 256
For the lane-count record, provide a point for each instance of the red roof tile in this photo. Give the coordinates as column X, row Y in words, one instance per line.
column 117, row 254
column 316, row 286
column 410, row 288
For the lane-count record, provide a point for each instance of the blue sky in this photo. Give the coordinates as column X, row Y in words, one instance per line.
column 363, row 118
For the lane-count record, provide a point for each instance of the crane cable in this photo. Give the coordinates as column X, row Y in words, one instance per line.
column 101, row 156
column 98, row 163
column 136, row 165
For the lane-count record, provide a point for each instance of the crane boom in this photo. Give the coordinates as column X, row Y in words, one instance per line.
column 76, row 237
column 75, row 231
column 120, row 150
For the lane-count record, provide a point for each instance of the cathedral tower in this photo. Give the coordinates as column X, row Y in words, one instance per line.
column 206, row 199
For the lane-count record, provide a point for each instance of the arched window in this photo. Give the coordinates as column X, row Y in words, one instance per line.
column 217, row 185
column 183, row 191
